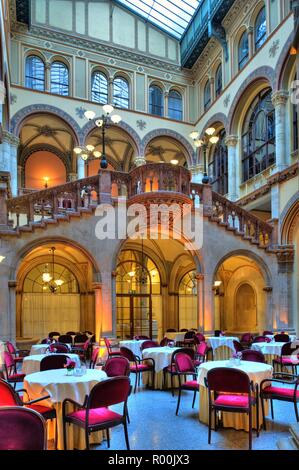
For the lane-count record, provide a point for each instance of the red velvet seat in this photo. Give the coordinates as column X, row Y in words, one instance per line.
column 149, row 344
column 15, row 422
column 117, row 366
column 230, row 390
column 18, row 354
column 272, row 390
column 10, row 369
column 251, row 355
column 94, row 414
column 56, row 361
column 171, row 368
column 137, row 365
column 110, row 351
column 184, row 365
column 288, row 358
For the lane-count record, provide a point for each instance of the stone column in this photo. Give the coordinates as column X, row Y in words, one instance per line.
column 139, row 160
column 80, row 168
column 250, row 41
column 166, row 96
column 196, row 173
column 98, row 314
column 283, row 289
column 279, row 100
column 5, row 152
column 2, row 99
column 231, row 142
column 212, row 89
column 200, row 304
column 208, row 297
column 14, row 144
column 110, row 91
column 47, row 77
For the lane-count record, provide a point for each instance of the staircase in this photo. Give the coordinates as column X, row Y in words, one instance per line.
column 162, row 183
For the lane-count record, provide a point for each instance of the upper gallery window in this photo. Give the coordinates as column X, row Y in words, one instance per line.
column 260, row 30
column 156, row 101
column 218, row 80
column 59, row 78
column 120, row 93
column 99, row 88
column 218, row 166
column 207, row 95
column 258, row 137
column 35, row 73
column 243, row 50
column 175, row 105
column 295, row 126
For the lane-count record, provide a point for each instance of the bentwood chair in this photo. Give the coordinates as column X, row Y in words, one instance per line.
column 110, row 350
column 65, row 339
column 270, row 389
column 289, row 357
column 139, row 366
column 281, row 338
column 201, row 352
column 149, row 344
column 185, row 367
column 57, row 361
column 53, row 333
column 18, row 354
column 261, row 339
column 58, row 348
column 117, row 366
column 230, row 390
column 15, row 422
column 171, row 369
column 246, row 340
column 94, row 414
column 253, row 356
column 11, row 371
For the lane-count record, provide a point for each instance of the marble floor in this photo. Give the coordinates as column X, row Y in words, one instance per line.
column 154, row 426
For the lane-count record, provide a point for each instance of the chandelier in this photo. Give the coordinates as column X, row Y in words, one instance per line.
column 48, row 276
column 104, row 121
column 208, row 139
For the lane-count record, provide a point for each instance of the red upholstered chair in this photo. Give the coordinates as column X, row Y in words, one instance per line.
column 15, row 422
column 165, row 341
column 201, row 353
column 185, row 366
column 281, row 338
column 18, row 354
column 80, row 339
column 148, row 344
column 53, row 333
column 65, row 339
column 230, row 390
column 109, row 346
column 82, row 351
column 56, row 361
column 45, row 341
column 267, row 332
column 182, row 330
column 261, row 339
column 289, row 358
column 72, row 333
column 171, row 369
column 94, row 414
column 138, row 366
column 253, row 356
column 171, row 330
column 188, row 339
column 274, row 390
column 58, row 348
column 238, row 346
column 141, row 337
column 198, row 338
column 94, row 358
column 246, row 340
column 117, row 366
column 10, row 370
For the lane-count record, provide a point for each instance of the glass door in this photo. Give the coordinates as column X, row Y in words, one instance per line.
column 134, row 316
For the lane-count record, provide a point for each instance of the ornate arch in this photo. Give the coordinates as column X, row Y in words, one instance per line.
column 289, row 218
column 90, row 126
column 218, row 117
column 27, row 151
column 191, row 156
column 20, row 116
column 282, row 62
column 262, row 73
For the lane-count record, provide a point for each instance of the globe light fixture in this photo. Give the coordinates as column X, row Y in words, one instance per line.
column 208, row 139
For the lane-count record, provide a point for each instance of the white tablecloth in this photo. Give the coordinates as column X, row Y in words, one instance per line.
column 292, row 337
column 161, row 356
column 268, row 348
column 215, row 342
column 255, row 370
column 176, row 336
column 133, row 345
column 41, row 348
column 60, row 386
column 31, row 364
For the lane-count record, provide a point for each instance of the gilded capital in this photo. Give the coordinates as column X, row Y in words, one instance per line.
column 279, row 97
column 231, row 140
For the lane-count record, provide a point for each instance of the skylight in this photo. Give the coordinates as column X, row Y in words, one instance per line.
column 173, row 16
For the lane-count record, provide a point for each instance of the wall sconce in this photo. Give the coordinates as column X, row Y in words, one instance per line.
column 216, row 287
column 46, row 181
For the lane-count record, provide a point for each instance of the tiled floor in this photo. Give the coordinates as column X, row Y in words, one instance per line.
column 154, row 426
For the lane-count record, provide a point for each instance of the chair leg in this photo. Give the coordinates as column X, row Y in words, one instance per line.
column 136, row 378
column 272, row 408
column 216, row 420
column 127, row 414
column 126, row 435
column 179, row 400
column 263, row 413
column 193, row 402
column 210, row 424
column 250, row 430
column 153, row 380
column 172, row 387
column 108, row 437
column 64, row 435
column 87, row 439
column 257, row 417
column 296, row 411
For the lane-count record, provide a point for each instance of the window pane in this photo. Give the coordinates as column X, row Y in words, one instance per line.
column 218, row 80
column 243, row 52
column 175, row 110
column 99, row 88
column 260, row 29
column 59, row 79
column 35, row 73
column 218, row 167
column 120, row 93
column 156, row 105
column 207, row 95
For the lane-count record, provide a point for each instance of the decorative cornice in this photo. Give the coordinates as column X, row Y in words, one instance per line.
column 285, row 257
column 279, row 97
column 10, row 138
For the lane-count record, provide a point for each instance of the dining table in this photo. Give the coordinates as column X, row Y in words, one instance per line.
column 162, row 357
column 42, row 348
column 31, row 364
column 256, row 372
column 177, row 336
column 222, row 346
column 59, row 385
column 134, row 345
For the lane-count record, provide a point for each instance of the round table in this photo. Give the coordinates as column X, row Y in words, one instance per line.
column 162, row 358
column 177, row 336
column 292, row 337
column 31, row 364
column 270, row 350
column 222, row 346
column 41, row 348
column 256, row 372
column 134, row 345
column 60, row 386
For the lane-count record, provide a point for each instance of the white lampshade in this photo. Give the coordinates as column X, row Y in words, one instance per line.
column 116, row 118
column 84, row 156
column 90, row 147
column 217, row 283
column 210, row 130
column 194, row 135
column 97, row 154
column 78, row 150
column 89, row 115
column 174, row 161
column 2, row 258
column 58, row 282
column 47, row 277
column 107, row 108
column 198, row 143
column 214, row 139
column 99, row 122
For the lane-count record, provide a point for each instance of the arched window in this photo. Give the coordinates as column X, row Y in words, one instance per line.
column 207, row 95
column 218, row 80
column 188, row 317
column 35, row 73
column 99, row 88
column 156, row 104
column 175, row 105
column 120, row 93
column 59, row 78
column 218, row 171
column 258, row 137
column 295, row 145
column 260, row 29
column 243, row 50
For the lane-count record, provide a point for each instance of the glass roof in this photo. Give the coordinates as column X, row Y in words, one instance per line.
column 173, row 16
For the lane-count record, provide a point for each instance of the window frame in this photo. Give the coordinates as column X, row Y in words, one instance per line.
column 126, row 99
column 32, row 77
column 219, row 165
column 207, row 103
column 178, row 111
column 258, row 42
column 155, row 106
column 218, row 90
column 60, row 85
column 242, row 61
column 99, row 93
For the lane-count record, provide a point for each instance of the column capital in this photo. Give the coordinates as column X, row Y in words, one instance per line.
column 140, row 160
column 250, row 30
column 231, row 140
column 10, row 138
column 2, row 92
column 96, row 285
column 279, row 97
column 199, row 276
